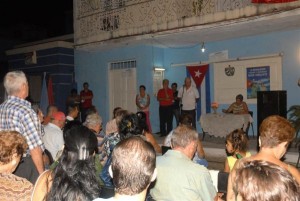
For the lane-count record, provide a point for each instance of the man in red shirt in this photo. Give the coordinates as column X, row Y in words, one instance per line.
column 86, row 97
column 165, row 98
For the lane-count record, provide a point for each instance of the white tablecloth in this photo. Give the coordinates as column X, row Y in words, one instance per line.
column 222, row 124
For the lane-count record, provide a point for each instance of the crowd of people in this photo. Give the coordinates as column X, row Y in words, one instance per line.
column 75, row 157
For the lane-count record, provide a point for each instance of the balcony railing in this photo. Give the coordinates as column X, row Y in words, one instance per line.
column 107, row 19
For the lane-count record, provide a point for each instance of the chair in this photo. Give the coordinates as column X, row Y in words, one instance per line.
column 251, row 124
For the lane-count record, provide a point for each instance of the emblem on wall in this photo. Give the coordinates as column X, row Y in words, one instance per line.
column 229, row 71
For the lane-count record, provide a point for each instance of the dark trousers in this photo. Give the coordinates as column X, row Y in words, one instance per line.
column 193, row 115
column 165, row 119
column 176, row 113
column 27, row 170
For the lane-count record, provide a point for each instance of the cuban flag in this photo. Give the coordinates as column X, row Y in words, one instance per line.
column 200, row 79
column 44, row 101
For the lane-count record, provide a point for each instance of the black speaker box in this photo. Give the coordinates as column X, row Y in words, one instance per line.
column 270, row 103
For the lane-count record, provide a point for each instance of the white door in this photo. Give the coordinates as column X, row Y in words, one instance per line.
column 122, row 86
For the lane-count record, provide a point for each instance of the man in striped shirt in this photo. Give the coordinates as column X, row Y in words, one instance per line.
column 16, row 114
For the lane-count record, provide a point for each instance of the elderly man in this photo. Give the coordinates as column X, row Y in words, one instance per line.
column 165, row 99
column 189, row 95
column 178, row 178
column 53, row 138
column 16, row 114
column 132, row 169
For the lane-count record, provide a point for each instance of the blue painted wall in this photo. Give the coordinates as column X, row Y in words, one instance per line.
column 93, row 66
column 57, row 62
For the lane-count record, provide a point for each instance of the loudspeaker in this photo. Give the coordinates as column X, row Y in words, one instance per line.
column 270, row 103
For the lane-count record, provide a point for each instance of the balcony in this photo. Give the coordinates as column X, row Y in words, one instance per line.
column 113, row 23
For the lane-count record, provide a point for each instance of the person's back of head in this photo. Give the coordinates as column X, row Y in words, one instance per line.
column 238, row 139
column 116, row 109
column 275, row 130
column 186, row 119
column 13, row 82
column 51, row 109
column 183, row 135
column 74, row 177
column 142, row 121
column 129, row 125
column 262, row 180
column 73, row 110
column 93, row 122
column 133, row 166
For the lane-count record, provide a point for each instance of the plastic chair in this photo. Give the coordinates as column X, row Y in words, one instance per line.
column 251, row 124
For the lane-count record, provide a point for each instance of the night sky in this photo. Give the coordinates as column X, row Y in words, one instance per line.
column 51, row 17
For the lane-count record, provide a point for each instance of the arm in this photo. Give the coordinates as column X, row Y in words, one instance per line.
column 154, row 143
column 226, row 166
column 295, row 173
column 37, row 157
column 200, row 149
column 148, row 101
column 245, row 107
column 137, row 102
column 42, row 186
column 229, row 110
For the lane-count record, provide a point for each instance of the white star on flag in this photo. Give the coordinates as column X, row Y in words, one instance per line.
column 197, row 73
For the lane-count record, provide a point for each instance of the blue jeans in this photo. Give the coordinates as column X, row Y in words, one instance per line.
column 104, row 175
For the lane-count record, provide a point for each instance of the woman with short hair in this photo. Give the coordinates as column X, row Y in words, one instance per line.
column 12, row 147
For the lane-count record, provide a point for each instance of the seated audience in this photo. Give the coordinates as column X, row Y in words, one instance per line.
column 50, row 110
column 111, row 126
column 238, row 107
column 74, row 176
column 178, row 178
column 142, row 119
column 94, row 123
column 73, row 112
column 53, row 138
column 236, row 148
column 276, row 133
column 262, row 180
column 132, row 169
column 12, row 147
column 186, row 119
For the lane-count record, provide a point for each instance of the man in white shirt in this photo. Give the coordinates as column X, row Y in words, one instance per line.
column 189, row 95
column 53, row 138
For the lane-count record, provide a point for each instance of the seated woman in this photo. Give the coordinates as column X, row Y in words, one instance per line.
column 142, row 118
column 74, row 176
column 262, row 180
column 238, row 107
column 276, row 133
column 236, row 148
column 12, row 147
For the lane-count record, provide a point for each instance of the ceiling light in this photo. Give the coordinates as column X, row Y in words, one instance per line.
column 203, row 47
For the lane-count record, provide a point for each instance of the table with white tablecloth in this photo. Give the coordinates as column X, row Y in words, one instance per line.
column 220, row 125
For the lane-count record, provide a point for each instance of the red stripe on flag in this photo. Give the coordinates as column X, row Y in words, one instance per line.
column 50, row 92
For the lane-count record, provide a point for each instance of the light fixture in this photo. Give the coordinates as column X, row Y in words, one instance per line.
column 202, row 47
column 158, row 69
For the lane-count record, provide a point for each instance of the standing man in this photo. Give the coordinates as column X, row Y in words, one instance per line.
column 86, row 97
column 16, row 114
column 165, row 98
column 189, row 95
column 176, row 109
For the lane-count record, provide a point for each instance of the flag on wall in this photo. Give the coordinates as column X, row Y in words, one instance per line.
column 272, row 1
column 50, row 92
column 200, row 79
column 44, row 102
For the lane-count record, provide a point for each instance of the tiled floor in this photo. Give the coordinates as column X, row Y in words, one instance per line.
column 214, row 148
